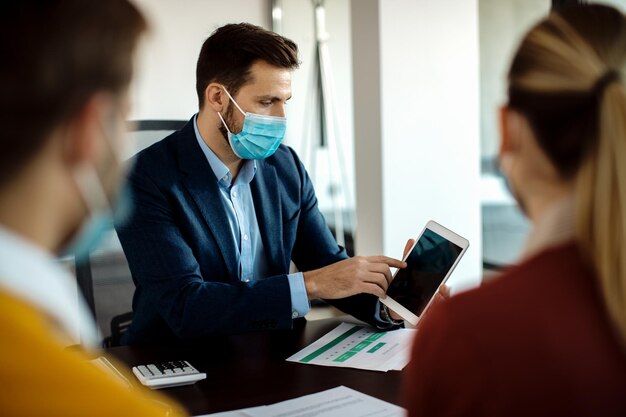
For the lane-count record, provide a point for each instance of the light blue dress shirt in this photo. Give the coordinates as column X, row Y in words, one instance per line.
column 245, row 228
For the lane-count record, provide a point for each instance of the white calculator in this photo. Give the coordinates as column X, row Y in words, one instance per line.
column 167, row 374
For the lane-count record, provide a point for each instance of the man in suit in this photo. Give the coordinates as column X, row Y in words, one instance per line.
column 222, row 207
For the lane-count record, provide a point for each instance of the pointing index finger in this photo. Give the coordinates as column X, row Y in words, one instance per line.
column 396, row 263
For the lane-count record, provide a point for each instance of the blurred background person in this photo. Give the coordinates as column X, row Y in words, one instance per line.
column 549, row 336
column 64, row 77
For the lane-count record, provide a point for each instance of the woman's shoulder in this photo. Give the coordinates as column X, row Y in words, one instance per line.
column 543, row 280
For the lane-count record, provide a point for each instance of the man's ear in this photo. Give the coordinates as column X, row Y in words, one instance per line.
column 82, row 142
column 216, row 98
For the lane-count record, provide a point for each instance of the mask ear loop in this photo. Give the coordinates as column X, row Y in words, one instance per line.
column 233, row 100
column 91, row 189
column 224, row 122
column 236, row 105
column 90, row 185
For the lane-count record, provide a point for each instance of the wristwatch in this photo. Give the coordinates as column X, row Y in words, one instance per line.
column 386, row 317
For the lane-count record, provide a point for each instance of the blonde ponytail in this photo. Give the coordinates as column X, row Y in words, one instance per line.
column 601, row 205
column 566, row 79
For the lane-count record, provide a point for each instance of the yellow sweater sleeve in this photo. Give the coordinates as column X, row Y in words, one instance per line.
column 39, row 377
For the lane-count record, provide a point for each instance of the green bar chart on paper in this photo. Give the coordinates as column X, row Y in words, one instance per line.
column 355, row 346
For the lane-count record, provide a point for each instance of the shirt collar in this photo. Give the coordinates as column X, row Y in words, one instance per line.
column 33, row 275
column 223, row 175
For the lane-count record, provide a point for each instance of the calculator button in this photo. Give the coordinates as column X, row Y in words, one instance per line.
column 144, row 371
column 154, row 370
column 188, row 369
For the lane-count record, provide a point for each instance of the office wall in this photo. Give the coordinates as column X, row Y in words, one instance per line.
column 368, row 143
column 427, row 147
column 502, row 24
column 620, row 4
column 298, row 25
column 166, row 68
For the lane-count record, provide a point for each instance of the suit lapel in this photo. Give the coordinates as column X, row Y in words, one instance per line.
column 267, row 205
column 202, row 185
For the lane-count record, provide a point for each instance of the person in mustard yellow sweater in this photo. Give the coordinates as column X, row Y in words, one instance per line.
column 64, row 75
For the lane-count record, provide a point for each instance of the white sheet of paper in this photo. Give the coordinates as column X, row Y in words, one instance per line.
column 336, row 402
column 354, row 346
column 246, row 412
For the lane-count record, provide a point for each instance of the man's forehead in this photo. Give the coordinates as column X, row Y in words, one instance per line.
column 266, row 90
column 268, row 80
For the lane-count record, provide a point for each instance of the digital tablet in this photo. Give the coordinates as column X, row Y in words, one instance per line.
column 430, row 262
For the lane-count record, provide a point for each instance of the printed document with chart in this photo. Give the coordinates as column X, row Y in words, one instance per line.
column 354, row 346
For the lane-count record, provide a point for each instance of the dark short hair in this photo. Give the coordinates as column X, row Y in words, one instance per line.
column 56, row 54
column 227, row 55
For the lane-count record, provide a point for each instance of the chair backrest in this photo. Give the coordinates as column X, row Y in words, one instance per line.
column 104, row 279
column 111, row 285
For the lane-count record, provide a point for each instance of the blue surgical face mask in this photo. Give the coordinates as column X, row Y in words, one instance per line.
column 104, row 213
column 260, row 136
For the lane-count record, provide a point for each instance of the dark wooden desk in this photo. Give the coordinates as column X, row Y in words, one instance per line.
column 250, row 370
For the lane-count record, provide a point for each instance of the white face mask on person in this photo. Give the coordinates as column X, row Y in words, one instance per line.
column 104, row 212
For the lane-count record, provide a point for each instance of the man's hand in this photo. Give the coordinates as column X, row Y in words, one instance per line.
column 407, row 247
column 361, row 274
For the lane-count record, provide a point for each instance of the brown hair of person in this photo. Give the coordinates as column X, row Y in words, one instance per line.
column 56, row 54
column 231, row 50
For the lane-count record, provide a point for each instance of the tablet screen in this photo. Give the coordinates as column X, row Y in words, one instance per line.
column 429, row 262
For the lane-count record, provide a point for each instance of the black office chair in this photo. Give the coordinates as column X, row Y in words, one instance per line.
column 119, row 326
column 106, row 283
column 104, row 278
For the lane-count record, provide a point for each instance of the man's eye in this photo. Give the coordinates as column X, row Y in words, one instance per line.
column 266, row 103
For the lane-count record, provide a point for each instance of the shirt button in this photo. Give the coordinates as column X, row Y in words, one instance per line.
column 234, row 194
column 294, row 315
column 225, row 178
column 245, row 237
column 246, row 280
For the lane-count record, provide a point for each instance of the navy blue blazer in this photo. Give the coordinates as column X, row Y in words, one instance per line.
column 183, row 262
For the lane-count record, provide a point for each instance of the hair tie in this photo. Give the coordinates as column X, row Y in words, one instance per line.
column 608, row 78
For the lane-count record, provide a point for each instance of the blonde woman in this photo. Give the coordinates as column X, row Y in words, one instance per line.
column 549, row 336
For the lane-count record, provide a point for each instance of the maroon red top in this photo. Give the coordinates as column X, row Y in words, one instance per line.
column 534, row 342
